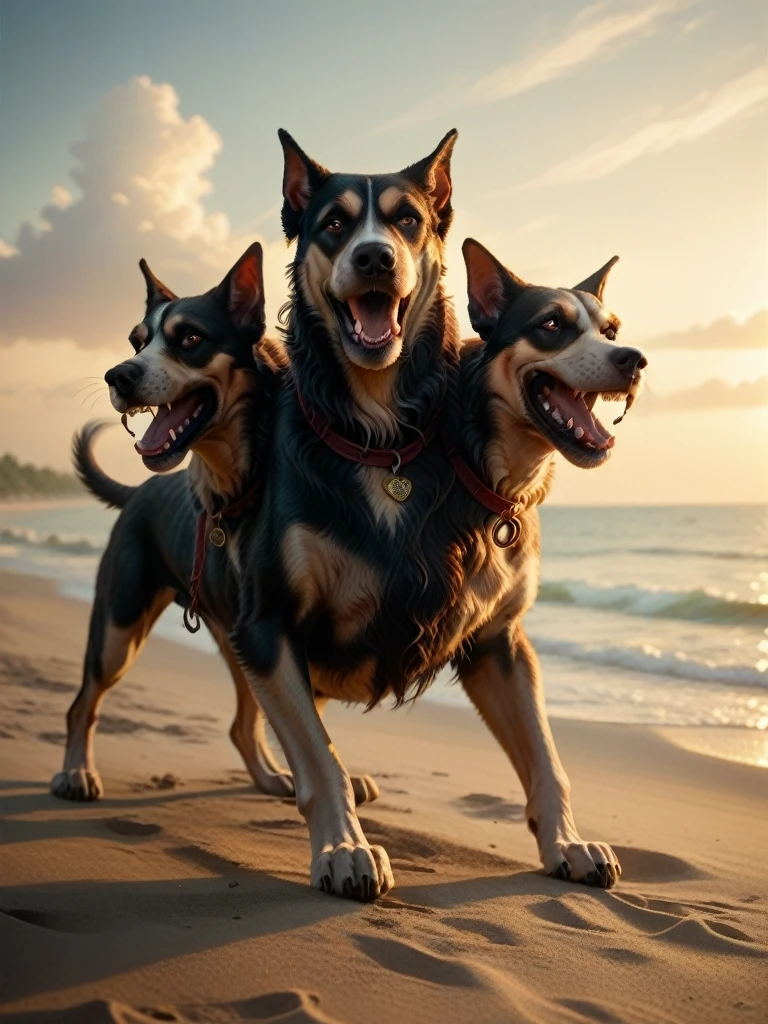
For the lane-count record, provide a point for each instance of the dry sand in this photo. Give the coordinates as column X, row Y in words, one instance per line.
column 183, row 895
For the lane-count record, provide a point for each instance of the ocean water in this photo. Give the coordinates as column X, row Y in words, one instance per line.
column 645, row 615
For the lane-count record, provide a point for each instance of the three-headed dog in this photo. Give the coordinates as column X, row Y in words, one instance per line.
column 351, row 602
column 211, row 377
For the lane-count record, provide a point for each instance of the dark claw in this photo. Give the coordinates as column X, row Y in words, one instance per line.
column 347, row 889
column 562, row 871
column 326, row 884
column 611, row 872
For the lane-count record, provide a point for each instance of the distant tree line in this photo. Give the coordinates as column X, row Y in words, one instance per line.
column 23, row 480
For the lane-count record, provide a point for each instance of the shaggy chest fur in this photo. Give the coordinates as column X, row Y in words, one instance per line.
column 381, row 595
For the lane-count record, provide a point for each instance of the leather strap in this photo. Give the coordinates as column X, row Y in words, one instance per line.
column 191, row 617
column 384, row 457
column 505, row 508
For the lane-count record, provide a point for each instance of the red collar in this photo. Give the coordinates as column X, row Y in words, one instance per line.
column 384, row 457
column 507, row 529
column 218, row 538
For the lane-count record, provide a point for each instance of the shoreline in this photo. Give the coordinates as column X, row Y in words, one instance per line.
column 748, row 746
column 186, row 891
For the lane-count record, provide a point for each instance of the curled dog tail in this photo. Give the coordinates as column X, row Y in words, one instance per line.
column 90, row 473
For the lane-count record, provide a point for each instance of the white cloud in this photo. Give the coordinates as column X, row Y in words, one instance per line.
column 141, row 177
column 742, row 97
column 712, row 394
column 723, row 333
column 61, row 197
column 597, row 32
column 589, row 36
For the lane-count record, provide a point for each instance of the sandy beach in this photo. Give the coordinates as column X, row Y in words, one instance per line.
column 183, row 895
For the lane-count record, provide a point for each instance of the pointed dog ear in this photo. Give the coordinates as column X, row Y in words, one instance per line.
column 433, row 173
column 490, row 287
column 301, row 179
column 595, row 284
column 156, row 290
column 241, row 292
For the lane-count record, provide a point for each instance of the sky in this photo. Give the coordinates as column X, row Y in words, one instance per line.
column 150, row 129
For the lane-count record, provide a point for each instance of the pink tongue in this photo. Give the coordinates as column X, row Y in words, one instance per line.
column 375, row 318
column 563, row 399
column 158, row 432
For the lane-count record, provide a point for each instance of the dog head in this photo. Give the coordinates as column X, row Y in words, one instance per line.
column 194, row 361
column 551, row 353
column 370, row 249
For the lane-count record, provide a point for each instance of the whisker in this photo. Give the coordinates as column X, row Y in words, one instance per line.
column 84, row 388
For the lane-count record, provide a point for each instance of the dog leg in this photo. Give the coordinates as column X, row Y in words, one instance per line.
column 363, row 786
column 502, row 679
column 110, row 653
column 343, row 862
column 248, row 732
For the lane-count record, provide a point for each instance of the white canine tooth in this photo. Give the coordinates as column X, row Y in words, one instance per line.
column 578, row 433
column 358, row 327
column 169, row 406
column 546, row 406
column 569, row 424
column 556, row 416
column 172, row 434
column 167, row 444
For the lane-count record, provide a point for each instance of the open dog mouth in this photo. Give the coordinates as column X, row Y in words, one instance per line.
column 564, row 415
column 373, row 320
column 175, row 427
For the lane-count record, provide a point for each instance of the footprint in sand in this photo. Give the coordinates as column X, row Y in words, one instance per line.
column 130, row 827
column 639, row 865
column 485, row 805
column 574, row 910
column 289, row 1007
column 72, row 924
column 414, row 962
column 496, row 934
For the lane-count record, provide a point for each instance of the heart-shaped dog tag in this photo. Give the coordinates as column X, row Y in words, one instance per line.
column 398, row 487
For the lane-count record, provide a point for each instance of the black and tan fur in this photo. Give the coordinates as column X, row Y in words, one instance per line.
column 351, row 598
column 211, row 345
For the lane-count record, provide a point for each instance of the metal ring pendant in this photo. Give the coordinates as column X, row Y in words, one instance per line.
column 506, row 532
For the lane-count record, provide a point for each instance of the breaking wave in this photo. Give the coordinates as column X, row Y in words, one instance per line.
column 690, row 605
column 52, row 542
column 648, row 659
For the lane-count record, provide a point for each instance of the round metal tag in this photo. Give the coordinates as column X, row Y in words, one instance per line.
column 506, row 532
column 217, row 537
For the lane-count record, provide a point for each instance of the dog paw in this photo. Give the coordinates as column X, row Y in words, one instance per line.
column 590, row 863
column 355, row 872
column 364, row 788
column 77, row 784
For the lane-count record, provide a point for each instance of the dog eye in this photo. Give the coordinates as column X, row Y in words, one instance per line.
column 333, row 227
column 553, row 324
column 610, row 334
column 190, row 340
column 407, row 221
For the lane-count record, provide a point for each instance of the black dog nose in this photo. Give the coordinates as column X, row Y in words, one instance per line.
column 628, row 360
column 124, row 377
column 374, row 258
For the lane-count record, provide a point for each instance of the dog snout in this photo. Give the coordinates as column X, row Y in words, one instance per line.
column 371, row 258
column 124, row 377
column 628, row 360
